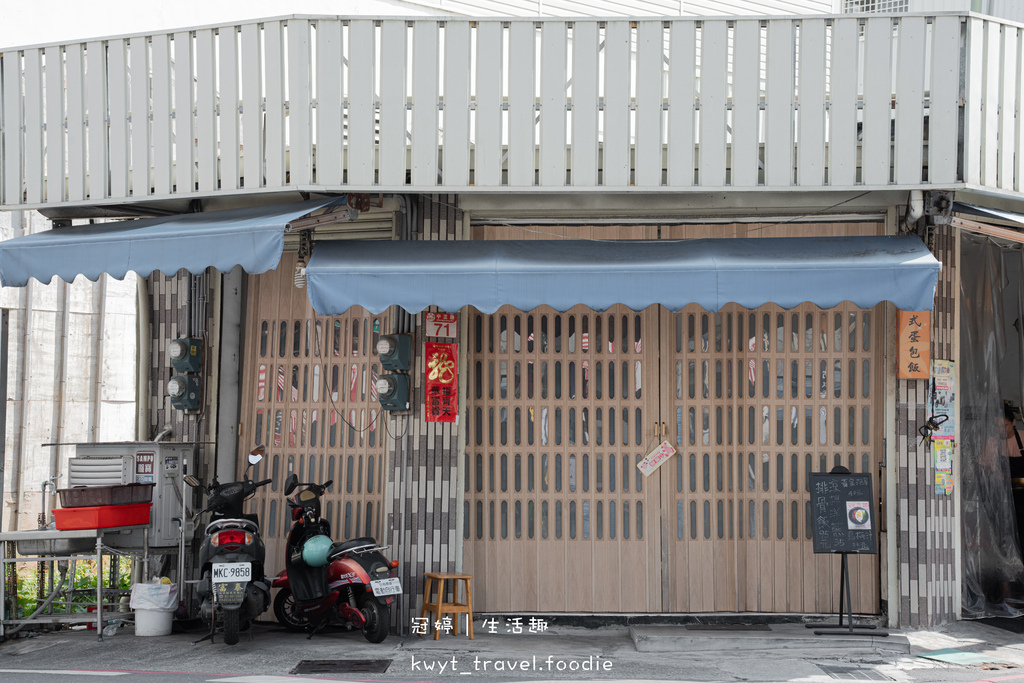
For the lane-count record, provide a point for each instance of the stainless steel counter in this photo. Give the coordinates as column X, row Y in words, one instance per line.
column 49, row 545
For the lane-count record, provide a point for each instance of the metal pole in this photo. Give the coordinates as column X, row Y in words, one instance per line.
column 181, row 527
column 99, row 585
column 3, row 560
column 4, row 329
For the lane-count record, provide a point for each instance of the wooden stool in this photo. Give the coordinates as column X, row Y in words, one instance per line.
column 438, row 605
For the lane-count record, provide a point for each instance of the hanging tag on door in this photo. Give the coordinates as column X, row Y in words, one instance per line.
column 656, row 458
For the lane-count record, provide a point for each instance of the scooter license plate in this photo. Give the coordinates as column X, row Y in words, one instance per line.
column 224, row 572
column 386, row 587
column 229, row 592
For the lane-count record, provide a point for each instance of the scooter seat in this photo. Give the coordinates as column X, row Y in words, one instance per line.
column 344, row 546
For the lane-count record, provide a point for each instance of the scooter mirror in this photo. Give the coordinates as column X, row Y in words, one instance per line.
column 192, row 481
column 291, row 483
column 256, row 455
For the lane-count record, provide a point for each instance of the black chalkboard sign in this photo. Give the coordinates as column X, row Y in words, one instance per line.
column 842, row 513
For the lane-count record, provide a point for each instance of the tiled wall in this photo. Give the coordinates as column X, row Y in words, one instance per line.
column 927, row 521
column 423, row 477
column 168, row 311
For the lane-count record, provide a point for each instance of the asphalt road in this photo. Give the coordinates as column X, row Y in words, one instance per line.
column 562, row 654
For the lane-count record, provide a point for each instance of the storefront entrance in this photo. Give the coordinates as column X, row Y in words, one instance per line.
column 563, row 405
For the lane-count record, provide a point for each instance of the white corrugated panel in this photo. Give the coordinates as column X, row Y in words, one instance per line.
column 75, row 118
column 990, row 104
column 55, row 140
column 811, row 118
column 910, row 60
column 552, row 103
column 300, row 105
column 274, row 132
column 713, row 75
column 745, row 97
column 618, row 65
column 650, row 48
column 876, row 131
column 12, row 127
column 206, row 110
column 455, row 144
column 96, row 119
column 521, row 104
column 138, row 82
column 973, row 140
column 117, row 99
column 585, row 74
column 229, row 105
column 252, row 109
column 778, row 153
column 329, row 128
column 161, row 115
column 361, row 110
column 425, row 57
column 1007, row 108
column 842, row 132
column 184, row 118
column 33, row 126
column 944, row 101
column 682, row 95
column 488, row 129
column 393, row 128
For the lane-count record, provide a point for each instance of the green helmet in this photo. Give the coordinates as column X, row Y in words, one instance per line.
column 314, row 551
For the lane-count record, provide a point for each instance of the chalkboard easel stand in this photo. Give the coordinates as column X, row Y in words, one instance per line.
column 844, row 593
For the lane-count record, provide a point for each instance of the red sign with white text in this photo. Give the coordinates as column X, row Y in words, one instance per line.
column 442, row 382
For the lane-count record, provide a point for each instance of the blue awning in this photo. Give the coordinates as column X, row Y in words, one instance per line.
column 710, row 272
column 252, row 237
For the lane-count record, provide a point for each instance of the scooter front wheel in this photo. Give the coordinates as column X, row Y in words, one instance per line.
column 378, row 619
column 286, row 611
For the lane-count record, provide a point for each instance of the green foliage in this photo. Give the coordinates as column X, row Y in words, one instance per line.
column 84, row 585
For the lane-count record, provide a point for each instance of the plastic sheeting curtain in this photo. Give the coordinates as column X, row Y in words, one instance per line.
column 993, row 574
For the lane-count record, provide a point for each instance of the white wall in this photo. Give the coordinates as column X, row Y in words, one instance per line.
column 71, row 372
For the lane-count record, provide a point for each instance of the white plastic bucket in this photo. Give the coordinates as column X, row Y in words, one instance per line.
column 153, row 622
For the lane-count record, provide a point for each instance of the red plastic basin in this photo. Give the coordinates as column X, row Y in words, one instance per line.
column 102, row 516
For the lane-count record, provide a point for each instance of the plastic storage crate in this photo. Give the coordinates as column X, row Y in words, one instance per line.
column 90, row 496
column 102, row 516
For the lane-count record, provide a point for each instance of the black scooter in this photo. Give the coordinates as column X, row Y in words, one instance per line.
column 233, row 588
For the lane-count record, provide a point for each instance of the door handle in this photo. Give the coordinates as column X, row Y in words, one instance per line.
column 664, row 431
column 657, row 431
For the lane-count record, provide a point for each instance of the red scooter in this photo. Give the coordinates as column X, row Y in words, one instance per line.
column 349, row 583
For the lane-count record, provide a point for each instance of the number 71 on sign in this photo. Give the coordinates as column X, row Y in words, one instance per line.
column 442, row 325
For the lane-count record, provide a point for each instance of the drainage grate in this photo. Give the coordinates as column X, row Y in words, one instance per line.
column 341, row 666
column 728, row 627
column 852, row 673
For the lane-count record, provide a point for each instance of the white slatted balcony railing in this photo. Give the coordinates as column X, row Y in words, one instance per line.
column 515, row 105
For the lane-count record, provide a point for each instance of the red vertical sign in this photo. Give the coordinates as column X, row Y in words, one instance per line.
column 442, row 382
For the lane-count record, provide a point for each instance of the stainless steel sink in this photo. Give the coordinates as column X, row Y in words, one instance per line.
column 51, row 541
column 55, row 546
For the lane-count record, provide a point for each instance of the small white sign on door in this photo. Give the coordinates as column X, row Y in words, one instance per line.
column 656, row 458
column 442, row 325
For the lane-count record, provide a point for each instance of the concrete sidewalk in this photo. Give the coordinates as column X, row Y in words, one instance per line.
column 786, row 653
